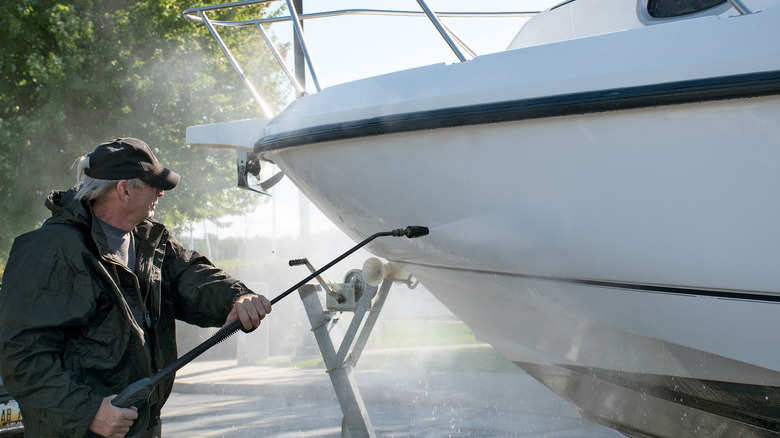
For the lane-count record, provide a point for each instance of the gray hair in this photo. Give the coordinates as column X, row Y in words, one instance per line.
column 94, row 190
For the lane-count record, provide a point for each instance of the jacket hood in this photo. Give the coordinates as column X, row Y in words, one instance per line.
column 65, row 208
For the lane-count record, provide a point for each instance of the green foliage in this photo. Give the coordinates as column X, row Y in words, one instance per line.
column 424, row 333
column 433, row 345
column 76, row 73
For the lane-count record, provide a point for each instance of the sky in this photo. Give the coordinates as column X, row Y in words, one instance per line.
column 357, row 46
column 353, row 47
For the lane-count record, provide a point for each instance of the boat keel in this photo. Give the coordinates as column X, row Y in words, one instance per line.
column 646, row 405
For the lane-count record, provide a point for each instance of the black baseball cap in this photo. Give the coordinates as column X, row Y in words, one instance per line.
column 128, row 158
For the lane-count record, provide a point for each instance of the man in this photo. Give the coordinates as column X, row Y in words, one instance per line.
column 89, row 300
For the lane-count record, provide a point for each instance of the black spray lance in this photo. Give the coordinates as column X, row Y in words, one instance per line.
column 139, row 391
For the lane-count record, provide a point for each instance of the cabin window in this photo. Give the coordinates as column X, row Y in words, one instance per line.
column 678, row 8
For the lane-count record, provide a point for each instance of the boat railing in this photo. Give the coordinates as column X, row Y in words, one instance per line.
column 200, row 15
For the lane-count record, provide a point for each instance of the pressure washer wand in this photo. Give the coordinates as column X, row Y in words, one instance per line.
column 139, row 391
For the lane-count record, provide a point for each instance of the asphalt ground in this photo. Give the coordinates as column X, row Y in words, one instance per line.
column 222, row 399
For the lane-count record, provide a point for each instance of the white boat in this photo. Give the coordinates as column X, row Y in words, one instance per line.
column 602, row 200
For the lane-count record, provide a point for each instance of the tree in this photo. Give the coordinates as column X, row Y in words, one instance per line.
column 76, row 73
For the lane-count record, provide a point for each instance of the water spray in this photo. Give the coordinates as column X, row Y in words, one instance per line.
column 139, row 391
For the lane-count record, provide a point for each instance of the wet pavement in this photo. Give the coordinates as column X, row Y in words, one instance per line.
column 221, row 399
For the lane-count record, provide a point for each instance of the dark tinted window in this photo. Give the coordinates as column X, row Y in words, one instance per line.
column 676, row 8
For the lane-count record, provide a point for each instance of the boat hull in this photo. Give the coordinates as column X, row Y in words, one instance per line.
column 668, row 213
column 632, row 242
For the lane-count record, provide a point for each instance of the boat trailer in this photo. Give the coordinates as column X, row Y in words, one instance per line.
column 363, row 293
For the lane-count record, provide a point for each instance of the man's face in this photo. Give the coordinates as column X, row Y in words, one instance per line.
column 143, row 201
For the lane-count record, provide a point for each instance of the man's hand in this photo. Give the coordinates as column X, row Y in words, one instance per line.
column 111, row 421
column 250, row 309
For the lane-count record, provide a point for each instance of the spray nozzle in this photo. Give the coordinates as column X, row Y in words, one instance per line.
column 411, row 231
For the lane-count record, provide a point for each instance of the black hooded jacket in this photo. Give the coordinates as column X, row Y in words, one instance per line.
column 76, row 325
